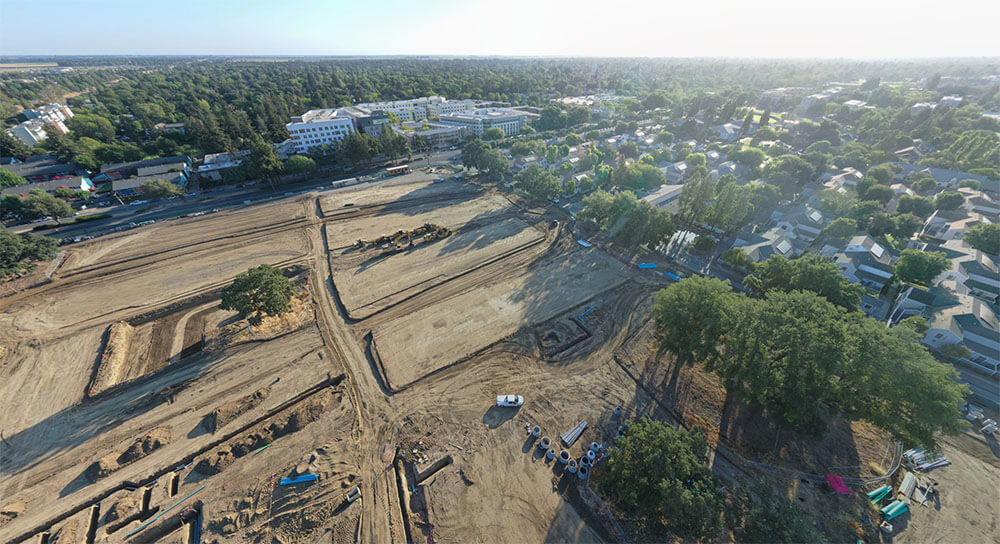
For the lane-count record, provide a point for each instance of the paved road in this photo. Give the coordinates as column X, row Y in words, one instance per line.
column 219, row 198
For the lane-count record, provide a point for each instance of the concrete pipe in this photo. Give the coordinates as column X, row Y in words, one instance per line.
column 583, row 472
column 564, row 457
column 618, row 411
column 571, row 466
column 535, row 431
column 586, row 461
column 545, row 442
column 594, row 446
column 591, row 455
column 550, row 455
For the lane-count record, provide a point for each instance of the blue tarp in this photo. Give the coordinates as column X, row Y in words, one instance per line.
column 300, row 479
column 673, row 276
column 645, row 266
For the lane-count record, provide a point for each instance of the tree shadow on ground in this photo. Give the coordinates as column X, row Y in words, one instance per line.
column 497, row 416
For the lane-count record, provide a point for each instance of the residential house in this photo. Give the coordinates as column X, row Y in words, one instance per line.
column 665, row 197
column 675, row 172
column 865, row 261
column 848, row 178
column 76, row 183
column 761, row 246
column 954, row 318
column 214, row 164
column 909, row 154
column 945, row 178
column 728, row 132
column 42, row 168
column 131, row 168
column 132, row 186
column 805, row 223
column 951, row 224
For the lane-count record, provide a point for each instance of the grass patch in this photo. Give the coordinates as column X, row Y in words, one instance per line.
column 83, row 219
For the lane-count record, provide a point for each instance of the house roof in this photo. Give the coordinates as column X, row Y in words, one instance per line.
column 42, row 165
column 135, row 165
column 155, row 169
column 74, row 183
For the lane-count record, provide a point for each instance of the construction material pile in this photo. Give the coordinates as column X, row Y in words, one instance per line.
column 925, row 461
column 405, row 239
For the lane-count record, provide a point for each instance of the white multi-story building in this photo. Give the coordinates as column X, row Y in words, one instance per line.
column 50, row 113
column 319, row 127
column 418, row 109
column 477, row 122
column 30, row 132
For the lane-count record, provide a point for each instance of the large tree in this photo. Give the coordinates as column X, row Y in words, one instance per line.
column 258, row 292
column 10, row 146
column 538, row 182
column 984, row 237
column 920, row 266
column 17, row 252
column 9, row 179
column 38, row 204
column 809, row 272
column 808, row 362
column 691, row 317
column 660, row 473
column 160, row 188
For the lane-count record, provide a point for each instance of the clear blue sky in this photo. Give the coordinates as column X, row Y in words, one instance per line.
column 652, row 28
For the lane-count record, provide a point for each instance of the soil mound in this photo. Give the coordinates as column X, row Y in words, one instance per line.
column 229, row 411
column 288, row 422
column 111, row 368
column 141, row 447
column 10, row 511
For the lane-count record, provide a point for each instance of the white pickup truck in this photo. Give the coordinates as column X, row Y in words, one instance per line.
column 509, row 400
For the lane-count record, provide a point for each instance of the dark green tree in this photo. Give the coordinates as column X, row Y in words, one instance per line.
column 810, row 272
column 258, row 292
column 985, row 237
column 660, row 474
column 691, row 317
column 920, row 266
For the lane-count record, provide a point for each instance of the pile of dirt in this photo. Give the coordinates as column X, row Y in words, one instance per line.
column 229, row 411
column 298, row 315
column 120, row 510
column 287, row 422
column 112, row 367
column 141, row 447
column 10, row 511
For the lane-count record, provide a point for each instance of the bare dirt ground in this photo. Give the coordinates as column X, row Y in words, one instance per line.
column 381, row 379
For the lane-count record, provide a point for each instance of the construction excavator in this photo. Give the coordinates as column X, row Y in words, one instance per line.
column 402, row 240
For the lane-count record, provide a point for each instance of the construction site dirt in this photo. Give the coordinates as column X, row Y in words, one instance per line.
column 135, row 410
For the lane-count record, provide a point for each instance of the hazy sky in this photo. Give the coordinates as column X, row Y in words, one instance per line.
column 655, row 28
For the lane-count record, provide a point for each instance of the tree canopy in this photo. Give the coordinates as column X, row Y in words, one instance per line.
column 18, row 252
column 258, row 292
column 920, row 266
column 808, row 272
column 808, row 361
column 660, row 474
column 985, row 237
column 160, row 188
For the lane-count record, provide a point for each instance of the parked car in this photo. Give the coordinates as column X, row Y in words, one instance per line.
column 509, row 401
column 438, row 180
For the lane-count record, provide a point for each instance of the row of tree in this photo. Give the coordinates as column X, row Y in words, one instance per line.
column 808, row 361
column 659, row 474
column 18, row 253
